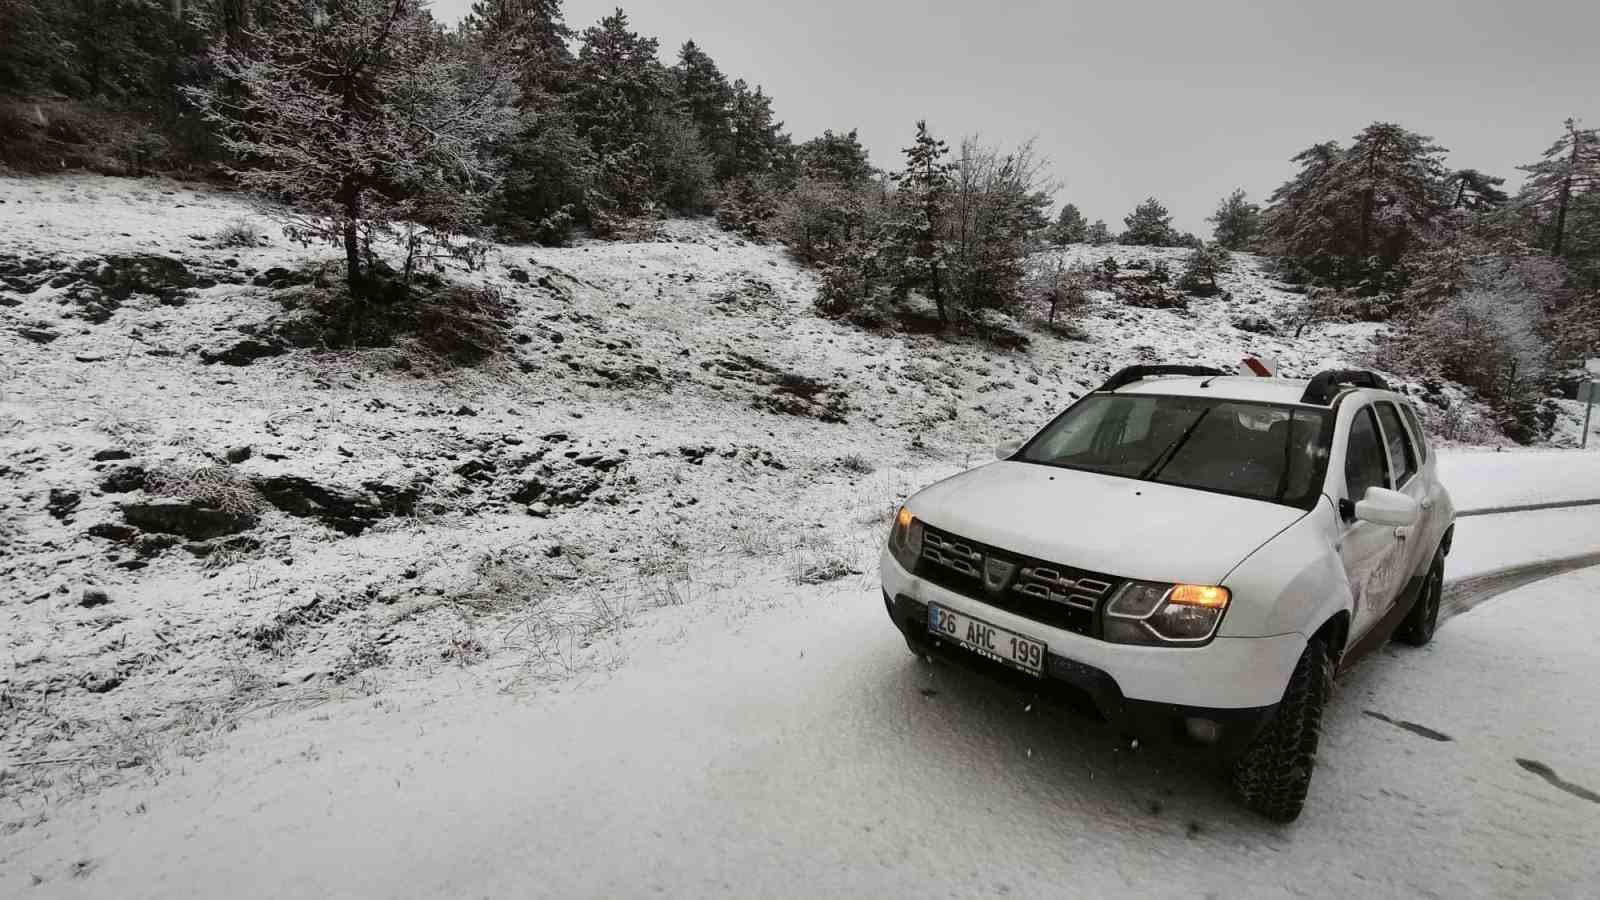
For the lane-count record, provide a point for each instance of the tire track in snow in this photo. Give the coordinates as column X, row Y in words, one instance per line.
column 1556, row 781
column 1463, row 594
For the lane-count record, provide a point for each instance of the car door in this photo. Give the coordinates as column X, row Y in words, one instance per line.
column 1405, row 466
column 1372, row 553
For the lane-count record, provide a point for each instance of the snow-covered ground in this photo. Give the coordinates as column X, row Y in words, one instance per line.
column 801, row 751
column 674, row 399
column 682, row 627
column 1486, row 479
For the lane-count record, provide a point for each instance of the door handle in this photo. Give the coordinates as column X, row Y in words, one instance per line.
column 1427, row 503
column 1403, row 532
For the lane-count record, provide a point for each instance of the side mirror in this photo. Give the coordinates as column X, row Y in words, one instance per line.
column 1382, row 506
column 1007, row 449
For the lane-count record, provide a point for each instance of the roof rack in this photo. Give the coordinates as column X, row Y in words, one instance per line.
column 1325, row 385
column 1138, row 373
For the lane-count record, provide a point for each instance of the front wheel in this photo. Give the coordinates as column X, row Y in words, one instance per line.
column 1274, row 773
column 1419, row 625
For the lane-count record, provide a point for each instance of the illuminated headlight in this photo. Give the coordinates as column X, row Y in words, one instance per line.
column 905, row 539
column 1165, row 614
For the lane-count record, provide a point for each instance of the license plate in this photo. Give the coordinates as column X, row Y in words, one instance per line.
column 987, row 640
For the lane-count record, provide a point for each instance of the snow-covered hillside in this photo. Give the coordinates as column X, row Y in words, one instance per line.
column 672, row 427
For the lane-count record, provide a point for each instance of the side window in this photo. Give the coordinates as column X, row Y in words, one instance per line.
column 1365, row 465
column 1416, row 429
column 1402, row 458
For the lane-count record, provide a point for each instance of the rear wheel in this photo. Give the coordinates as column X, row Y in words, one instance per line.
column 1273, row 774
column 1419, row 625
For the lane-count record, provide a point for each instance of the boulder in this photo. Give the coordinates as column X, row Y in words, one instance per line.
column 343, row 509
column 123, row 479
column 243, row 353
column 166, row 515
column 61, row 504
column 111, row 531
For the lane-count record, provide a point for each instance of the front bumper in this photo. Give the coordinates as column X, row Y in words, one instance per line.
column 1230, row 677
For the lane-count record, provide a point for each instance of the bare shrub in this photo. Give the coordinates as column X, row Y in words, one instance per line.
column 823, row 570
column 464, row 650
column 217, row 487
column 363, row 653
column 240, row 232
column 855, row 462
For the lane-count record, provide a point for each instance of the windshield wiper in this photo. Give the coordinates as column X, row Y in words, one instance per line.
column 1166, row 456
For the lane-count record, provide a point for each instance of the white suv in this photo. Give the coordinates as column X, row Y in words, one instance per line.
column 1194, row 555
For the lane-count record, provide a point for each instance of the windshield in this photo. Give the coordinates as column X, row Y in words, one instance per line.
column 1257, row 450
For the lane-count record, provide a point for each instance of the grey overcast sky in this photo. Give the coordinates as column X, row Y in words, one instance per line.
column 1182, row 100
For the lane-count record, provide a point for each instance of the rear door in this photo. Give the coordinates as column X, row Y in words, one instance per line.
column 1372, row 553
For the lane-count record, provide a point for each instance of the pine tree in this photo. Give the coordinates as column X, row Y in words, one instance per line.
column 707, row 99
column 1201, row 269
column 1473, row 190
column 1070, row 227
column 1570, row 167
column 1236, row 221
column 25, row 36
column 618, row 91
column 829, row 208
column 759, row 143
column 924, row 189
column 1287, row 223
column 1393, row 179
column 839, row 158
column 530, row 37
column 1149, row 225
column 359, row 116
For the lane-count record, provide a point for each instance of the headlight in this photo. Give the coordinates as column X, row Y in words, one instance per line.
column 905, row 539
column 1165, row 614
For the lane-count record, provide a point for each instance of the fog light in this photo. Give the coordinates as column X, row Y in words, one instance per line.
column 1206, row 731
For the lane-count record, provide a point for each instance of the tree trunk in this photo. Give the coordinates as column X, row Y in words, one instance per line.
column 1561, row 215
column 352, row 244
column 1566, row 191
column 1367, row 200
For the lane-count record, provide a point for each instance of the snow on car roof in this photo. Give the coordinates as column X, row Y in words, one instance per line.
column 1234, row 387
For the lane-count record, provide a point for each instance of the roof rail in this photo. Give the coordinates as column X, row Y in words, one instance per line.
column 1325, row 385
column 1138, row 373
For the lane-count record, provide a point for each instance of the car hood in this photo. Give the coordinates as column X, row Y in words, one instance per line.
column 1110, row 525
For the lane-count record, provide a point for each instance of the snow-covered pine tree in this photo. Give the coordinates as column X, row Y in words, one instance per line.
column 706, row 97
column 1149, row 225
column 760, row 146
column 1201, row 269
column 358, row 115
column 839, row 158
column 834, row 202
column 1393, row 180
column 1070, row 227
column 1571, row 166
column 914, row 235
column 619, row 88
column 1235, row 221
column 1288, row 225
column 1474, row 191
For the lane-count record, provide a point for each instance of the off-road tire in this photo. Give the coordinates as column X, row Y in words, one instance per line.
column 1274, row 772
column 1419, row 625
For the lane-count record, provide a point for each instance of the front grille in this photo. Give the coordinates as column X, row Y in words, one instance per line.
column 1056, row 595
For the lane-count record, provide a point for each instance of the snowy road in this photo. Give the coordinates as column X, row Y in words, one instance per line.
column 800, row 751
